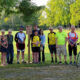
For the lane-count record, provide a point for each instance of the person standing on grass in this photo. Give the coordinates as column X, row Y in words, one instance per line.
column 20, row 43
column 4, row 46
column 42, row 47
column 36, row 47
column 72, row 41
column 35, row 28
column 52, row 44
column 61, row 40
column 10, row 51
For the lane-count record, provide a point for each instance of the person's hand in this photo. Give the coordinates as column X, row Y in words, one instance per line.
column 72, row 45
column 56, row 46
column 41, row 45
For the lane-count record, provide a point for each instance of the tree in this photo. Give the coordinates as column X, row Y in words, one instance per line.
column 75, row 13
column 57, row 13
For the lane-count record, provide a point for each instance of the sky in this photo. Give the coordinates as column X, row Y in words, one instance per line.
column 40, row 2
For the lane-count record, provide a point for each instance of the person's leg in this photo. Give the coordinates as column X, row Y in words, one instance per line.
column 18, row 54
column 8, row 52
column 4, row 58
column 70, row 53
column 39, row 56
column 75, row 53
column 11, row 54
column 43, row 55
column 55, row 53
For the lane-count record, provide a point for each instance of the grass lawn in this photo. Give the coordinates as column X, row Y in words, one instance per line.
column 46, row 71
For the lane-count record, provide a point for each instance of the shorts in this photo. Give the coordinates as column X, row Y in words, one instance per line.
column 52, row 49
column 61, row 50
column 35, row 49
column 74, row 49
column 3, row 50
column 20, row 47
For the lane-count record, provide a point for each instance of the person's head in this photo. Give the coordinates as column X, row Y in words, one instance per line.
column 60, row 28
column 36, row 33
column 51, row 29
column 41, row 32
column 3, row 32
column 9, row 31
column 21, row 28
column 72, row 28
column 35, row 27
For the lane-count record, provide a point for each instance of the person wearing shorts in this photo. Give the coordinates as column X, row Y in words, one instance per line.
column 4, row 46
column 36, row 47
column 61, row 40
column 20, row 44
column 52, row 44
column 72, row 44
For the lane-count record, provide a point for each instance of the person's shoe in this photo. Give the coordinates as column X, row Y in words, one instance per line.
column 60, row 62
column 18, row 63
column 24, row 62
column 70, row 62
column 66, row 62
column 74, row 62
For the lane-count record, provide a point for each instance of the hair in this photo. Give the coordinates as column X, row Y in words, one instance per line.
column 60, row 27
column 40, row 31
column 72, row 26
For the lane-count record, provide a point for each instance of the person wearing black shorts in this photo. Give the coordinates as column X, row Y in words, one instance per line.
column 72, row 46
column 52, row 44
column 20, row 44
column 36, row 47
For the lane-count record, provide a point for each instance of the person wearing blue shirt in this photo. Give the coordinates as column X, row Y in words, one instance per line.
column 42, row 37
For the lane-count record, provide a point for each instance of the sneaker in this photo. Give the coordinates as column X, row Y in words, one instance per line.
column 60, row 62
column 66, row 62
column 74, row 62
column 70, row 62
column 18, row 63
column 24, row 62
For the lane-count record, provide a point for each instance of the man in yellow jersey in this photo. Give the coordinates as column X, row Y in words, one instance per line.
column 52, row 44
column 61, row 40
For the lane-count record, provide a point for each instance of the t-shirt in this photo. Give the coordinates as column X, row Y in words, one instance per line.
column 61, row 38
column 72, row 37
column 51, row 38
column 42, row 37
column 33, row 31
column 36, row 39
column 21, row 36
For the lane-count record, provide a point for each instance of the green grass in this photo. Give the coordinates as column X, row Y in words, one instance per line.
column 47, row 53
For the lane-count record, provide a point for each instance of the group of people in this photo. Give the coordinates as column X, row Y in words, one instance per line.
column 56, row 42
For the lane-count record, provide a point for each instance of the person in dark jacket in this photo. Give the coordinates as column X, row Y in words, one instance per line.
column 10, row 50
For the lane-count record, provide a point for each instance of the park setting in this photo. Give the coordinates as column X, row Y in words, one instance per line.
column 37, row 20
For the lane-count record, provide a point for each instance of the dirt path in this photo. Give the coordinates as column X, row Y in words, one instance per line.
column 54, row 72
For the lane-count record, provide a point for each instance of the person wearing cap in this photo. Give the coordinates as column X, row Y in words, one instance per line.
column 52, row 44
column 61, row 40
column 36, row 47
column 72, row 44
column 10, row 51
column 20, row 43
column 4, row 46
column 35, row 28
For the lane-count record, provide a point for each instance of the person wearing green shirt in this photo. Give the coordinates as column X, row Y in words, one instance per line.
column 61, row 40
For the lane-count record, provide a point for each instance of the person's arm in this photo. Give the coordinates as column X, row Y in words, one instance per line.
column 76, row 39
